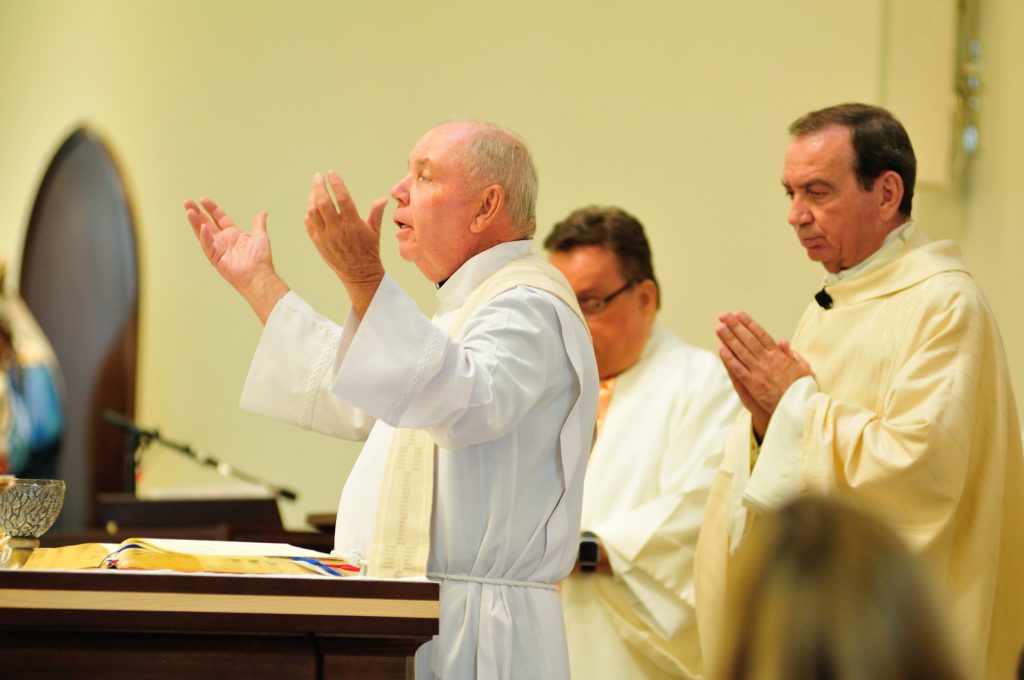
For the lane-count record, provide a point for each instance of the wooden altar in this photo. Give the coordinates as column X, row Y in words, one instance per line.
column 109, row 624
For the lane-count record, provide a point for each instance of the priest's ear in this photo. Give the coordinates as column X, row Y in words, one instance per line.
column 492, row 202
column 889, row 186
column 647, row 296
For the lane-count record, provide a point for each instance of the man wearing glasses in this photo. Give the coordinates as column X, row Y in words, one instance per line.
column 664, row 409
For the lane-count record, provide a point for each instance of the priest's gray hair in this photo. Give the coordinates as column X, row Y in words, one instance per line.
column 496, row 155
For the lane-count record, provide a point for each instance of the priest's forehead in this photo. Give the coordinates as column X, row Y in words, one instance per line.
column 820, row 158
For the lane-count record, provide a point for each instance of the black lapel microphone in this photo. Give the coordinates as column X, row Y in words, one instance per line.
column 823, row 299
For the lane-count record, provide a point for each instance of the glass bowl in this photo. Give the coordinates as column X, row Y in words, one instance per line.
column 28, row 508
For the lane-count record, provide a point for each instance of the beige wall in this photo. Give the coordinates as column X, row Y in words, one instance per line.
column 675, row 110
column 994, row 235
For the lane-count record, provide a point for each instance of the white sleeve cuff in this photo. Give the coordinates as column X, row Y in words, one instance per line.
column 660, row 610
column 394, row 349
column 776, row 478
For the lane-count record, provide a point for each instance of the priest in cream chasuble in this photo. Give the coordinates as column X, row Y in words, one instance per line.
column 894, row 394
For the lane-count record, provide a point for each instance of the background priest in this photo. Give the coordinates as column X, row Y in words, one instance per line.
column 665, row 407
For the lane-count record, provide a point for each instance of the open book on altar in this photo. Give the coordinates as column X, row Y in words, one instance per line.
column 225, row 557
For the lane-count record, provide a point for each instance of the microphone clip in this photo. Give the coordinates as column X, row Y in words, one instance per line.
column 823, row 299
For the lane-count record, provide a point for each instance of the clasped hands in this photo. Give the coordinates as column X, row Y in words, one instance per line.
column 348, row 244
column 761, row 369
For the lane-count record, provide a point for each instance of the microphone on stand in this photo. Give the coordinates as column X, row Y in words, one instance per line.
column 122, row 423
column 139, row 436
column 136, row 439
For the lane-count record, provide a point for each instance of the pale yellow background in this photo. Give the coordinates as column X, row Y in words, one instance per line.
column 675, row 110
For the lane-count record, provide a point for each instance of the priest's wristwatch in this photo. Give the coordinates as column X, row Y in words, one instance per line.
column 590, row 551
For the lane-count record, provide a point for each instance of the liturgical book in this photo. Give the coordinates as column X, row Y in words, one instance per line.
column 226, row 557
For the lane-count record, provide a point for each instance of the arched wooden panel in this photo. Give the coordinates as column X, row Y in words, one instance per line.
column 79, row 276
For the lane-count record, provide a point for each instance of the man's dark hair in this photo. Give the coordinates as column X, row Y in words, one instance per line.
column 612, row 228
column 880, row 143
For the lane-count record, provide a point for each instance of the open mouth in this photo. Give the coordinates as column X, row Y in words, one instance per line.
column 402, row 225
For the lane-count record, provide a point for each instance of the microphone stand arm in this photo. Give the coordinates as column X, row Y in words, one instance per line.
column 137, row 438
column 225, row 469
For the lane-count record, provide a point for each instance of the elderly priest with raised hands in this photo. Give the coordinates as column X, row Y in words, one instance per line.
column 894, row 393
column 477, row 422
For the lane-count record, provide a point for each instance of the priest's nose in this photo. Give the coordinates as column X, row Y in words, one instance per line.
column 799, row 213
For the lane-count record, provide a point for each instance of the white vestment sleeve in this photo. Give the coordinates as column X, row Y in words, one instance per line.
column 660, row 609
column 651, row 546
column 776, row 477
column 294, row 365
column 408, row 372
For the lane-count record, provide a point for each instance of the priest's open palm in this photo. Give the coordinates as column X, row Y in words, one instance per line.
column 243, row 259
column 238, row 256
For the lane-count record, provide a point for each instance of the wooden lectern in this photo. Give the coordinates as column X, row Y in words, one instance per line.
column 110, row 625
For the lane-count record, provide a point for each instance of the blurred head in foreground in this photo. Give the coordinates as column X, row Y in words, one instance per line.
column 823, row 591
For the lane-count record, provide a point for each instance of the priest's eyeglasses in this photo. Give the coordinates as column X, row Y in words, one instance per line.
column 593, row 306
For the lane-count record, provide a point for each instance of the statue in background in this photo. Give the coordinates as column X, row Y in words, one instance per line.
column 31, row 392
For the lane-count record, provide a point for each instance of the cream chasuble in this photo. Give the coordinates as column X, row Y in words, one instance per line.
column 644, row 495
column 911, row 415
column 511, row 407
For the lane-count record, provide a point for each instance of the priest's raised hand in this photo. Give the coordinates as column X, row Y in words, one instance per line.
column 243, row 259
column 348, row 244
